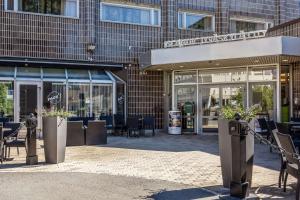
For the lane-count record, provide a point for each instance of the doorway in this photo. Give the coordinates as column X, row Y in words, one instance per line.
column 28, row 100
column 213, row 97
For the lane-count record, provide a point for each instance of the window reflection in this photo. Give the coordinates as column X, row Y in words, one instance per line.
column 186, row 77
column 226, row 76
column 53, row 7
column 262, row 74
column 54, row 96
column 195, row 21
column 127, row 14
column 79, row 99
column 246, row 26
column 7, row 100
column 102, row 100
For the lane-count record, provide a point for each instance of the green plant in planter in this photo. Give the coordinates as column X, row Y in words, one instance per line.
column 247, row 114
column 57, row 113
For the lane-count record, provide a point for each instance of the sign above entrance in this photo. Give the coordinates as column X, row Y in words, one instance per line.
column 216, row 39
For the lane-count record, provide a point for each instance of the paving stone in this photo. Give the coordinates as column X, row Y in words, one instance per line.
column 191, row 160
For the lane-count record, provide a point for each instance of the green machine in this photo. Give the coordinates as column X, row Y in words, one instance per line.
column 188, row 113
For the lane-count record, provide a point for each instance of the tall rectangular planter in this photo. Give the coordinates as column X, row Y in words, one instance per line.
column 55, row 137
column 225, row 151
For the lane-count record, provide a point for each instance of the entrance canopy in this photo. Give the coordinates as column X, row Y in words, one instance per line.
column 268, row 50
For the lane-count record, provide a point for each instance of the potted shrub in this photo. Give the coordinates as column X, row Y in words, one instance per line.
column 55, row 136
column 228, row 114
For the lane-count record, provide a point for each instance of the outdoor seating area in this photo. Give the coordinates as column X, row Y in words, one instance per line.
column 286, row 136
column 10, row 138
column 134, row 126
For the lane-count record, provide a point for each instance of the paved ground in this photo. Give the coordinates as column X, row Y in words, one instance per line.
column 162, row 163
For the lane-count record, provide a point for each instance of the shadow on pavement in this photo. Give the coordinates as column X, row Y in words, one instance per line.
column 183, row 194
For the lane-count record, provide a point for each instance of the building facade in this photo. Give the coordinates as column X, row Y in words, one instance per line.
column 87, row 52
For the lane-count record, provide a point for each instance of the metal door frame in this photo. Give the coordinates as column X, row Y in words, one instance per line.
column 39, row 85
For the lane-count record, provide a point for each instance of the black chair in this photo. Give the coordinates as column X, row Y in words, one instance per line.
column 283, row 158
column 285, row 128
column 4, row 120
column 271, row 127
column 119, row 123
column 13, row 139
column 292, row 160
column 133, row 126
column 149, row 124
column 109, row 121
column 264, row 129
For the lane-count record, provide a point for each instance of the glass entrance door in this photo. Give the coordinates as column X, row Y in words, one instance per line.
column 29, row 100
column 210, row 106
column 213, row 97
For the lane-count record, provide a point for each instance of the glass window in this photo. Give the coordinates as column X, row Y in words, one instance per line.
column 53, row 7
column 99, row 75
column 232, row 75
column 54, row 96
column 262, row 74
column 102, row 100
column 128, row 14
column 28, row 72
column 7, row 100
column 195, row 21
column 7, row 72
column 54, row 73
column 78, row 74
column 79, row 100
column 180, row 20
column 237, row 26
column 70, row 8
column 185, row 77
column 120, row 99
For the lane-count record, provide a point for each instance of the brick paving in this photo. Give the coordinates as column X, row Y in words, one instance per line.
column 191, row 160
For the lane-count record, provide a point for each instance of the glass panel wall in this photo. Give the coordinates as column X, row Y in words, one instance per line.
column 211, row 104
column 79, row 99
column 225, row 87
column 262, row 74
column 235, row 75
column 264, row 95
column 7, row 100
column 185, row 77
column 54, row 97
column 102, row 100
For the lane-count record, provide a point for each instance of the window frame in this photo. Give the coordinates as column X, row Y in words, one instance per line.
column 185, row 13
column 151, row 9
column 267, row 24
column 16, row 10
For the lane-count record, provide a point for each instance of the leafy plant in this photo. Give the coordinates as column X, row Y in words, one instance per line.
column 56, row 113
column 229, row 112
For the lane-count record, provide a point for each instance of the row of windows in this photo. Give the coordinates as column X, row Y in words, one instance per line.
column 121, row 13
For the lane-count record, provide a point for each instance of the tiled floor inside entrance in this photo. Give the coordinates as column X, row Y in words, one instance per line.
column 191, row 160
